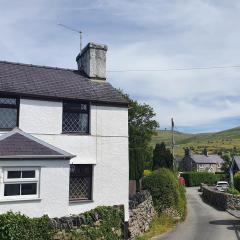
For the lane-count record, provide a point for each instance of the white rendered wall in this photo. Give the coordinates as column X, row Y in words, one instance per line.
column 106, row 147
column 43, row 117
column 54, row 189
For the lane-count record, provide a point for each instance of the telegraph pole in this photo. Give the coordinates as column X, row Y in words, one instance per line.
column 173, row 142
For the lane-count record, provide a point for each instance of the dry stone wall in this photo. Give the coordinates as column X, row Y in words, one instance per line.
column 220, row 200
column 141, row 213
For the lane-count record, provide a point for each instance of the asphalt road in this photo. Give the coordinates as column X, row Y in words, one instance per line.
column 204, row 222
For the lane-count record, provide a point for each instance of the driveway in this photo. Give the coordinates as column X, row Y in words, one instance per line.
column 204, row 222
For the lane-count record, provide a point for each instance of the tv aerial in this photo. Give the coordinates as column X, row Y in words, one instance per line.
column 73, row 30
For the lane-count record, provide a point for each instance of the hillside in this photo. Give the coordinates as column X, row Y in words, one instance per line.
column 215, row 142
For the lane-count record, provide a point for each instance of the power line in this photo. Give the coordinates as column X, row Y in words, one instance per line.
column 174, row 69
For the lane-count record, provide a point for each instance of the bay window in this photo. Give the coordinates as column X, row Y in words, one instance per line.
column 20, row 183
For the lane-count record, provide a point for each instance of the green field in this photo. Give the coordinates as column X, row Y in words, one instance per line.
column 215, row 142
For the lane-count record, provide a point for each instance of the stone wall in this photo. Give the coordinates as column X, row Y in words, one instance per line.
column 220, row 200
column 141, row 213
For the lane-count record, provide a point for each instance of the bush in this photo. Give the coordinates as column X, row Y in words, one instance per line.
column 237, row 180
column 108, row 227
column 233, row 191
column 166, row 191
column 146, row 172
column 196, row 178
column 20, row 227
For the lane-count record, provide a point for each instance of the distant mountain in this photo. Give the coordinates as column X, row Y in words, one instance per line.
column 215, row 142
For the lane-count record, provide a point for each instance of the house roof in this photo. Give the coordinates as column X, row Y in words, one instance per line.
column 20, row 145
column 56, row 83
column 201, row 159
column 237, row 161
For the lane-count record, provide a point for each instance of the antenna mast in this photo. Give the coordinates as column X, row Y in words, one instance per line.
column 173, row 142
column 73, row 30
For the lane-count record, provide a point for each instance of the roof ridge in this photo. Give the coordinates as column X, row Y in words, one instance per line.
column 38, row 66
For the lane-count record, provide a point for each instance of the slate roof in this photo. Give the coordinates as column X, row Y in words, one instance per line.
column 237, row 161
column 57, row 83
column 18, row 144
column 201, row 159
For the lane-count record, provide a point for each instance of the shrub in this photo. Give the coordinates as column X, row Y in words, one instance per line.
column 165, row 190
column 233, row 191
column 108, row 226
column 196, row 178
column 237, row 180
column 146, row 173
column 20, row 227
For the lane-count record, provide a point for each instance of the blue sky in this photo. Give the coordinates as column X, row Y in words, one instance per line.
column 141, row 35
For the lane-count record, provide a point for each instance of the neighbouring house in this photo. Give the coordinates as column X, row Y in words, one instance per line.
column 63, row 138
column 200, row 162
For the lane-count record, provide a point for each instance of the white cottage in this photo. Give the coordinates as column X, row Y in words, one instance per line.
column 63, row 138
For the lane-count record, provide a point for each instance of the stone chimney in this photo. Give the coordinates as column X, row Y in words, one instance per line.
column 205, row 152
column 92, row 61
column 187, row 151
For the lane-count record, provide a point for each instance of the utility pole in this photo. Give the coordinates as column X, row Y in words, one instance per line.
column 173, row 142
column 73, row 30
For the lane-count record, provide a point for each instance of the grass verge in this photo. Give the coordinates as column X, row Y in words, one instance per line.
column 159, row 225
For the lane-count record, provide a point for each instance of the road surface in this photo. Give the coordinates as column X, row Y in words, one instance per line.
column 204, row 222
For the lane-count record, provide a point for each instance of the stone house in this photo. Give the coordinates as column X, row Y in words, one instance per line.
column 200, row 162
column 63, row 138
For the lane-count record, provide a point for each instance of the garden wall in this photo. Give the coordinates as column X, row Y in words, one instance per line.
column 141, row 213
column 220, row 200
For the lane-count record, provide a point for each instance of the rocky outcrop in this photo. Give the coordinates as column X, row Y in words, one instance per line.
column 141, row 213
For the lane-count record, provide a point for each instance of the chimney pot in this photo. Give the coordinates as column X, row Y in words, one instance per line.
column 92, row 61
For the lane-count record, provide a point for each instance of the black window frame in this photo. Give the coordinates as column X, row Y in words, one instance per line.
column 75, row 107
column 11, row 106
column 75, row 174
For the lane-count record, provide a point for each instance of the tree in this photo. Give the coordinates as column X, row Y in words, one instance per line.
column 227, row 162
column 162, row 157
column 142, row 127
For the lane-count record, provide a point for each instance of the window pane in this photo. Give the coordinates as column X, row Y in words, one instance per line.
column 28, row 174
column 28, row 188
column 12, row 189
column 80, row 182
column 8, row 118
column 75, row 122
column 14, row 174
column 11, row 101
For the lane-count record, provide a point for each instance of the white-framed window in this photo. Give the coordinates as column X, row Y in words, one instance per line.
column 201, row 165
column 20, row 183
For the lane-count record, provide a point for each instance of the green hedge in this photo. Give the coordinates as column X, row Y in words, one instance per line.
column 237, row 180
column 166, row 191
column 104, row 223
column 196, row 178
column 15, row 226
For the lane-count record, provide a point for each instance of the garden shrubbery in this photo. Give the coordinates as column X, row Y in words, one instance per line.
column 108, row 227
column 196, row 178
column 104, row 223
column 166, row 191
column 16, row 226
column 237, row 180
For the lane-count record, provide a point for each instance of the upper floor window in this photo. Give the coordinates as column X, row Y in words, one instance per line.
column 75, row 117
column 9, row 108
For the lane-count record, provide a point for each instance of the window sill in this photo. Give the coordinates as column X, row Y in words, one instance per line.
column 76, row 133
column 80, row 201
column 20, row 200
